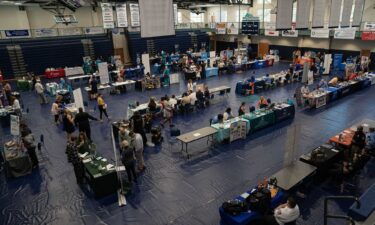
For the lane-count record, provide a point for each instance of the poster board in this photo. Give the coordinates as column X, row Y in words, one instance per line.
column 237, row 130
column 15, row 125
column 310, row 77
column 146, row 62
column 320, row 101
column 327, row 63
column 103, row 73
column 78, row 99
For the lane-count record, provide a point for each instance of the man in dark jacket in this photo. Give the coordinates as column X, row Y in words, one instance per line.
column 81, row 120
column 128, row 160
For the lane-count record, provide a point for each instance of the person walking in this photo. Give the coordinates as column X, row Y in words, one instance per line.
column 55, row 110
column 128, row 160
column 81, row 121
column 68, row 123
column 138, row 148
column 40, row 91
column 102, row 107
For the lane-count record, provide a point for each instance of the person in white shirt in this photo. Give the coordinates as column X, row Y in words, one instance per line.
column 190, row 85
column 172, row 101
column 227, row 114
column 40, row 91
column 193, row 97
column 16, row 105
column 305, row 89
column 55, row 109
column 138, row 148
column 284, row 213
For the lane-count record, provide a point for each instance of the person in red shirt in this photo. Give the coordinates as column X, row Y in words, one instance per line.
column 1, row 76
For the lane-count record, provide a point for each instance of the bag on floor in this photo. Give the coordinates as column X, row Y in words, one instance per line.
column 156, row 136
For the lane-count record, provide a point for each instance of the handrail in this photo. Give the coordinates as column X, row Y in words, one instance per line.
column 326, row 215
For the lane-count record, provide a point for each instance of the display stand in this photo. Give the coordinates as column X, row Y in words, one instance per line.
column 237, row 131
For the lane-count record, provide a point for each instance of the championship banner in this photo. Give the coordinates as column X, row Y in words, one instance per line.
column 271, row 33
column 93, row 30
column 289, row 33
column 45, row 33
column 107, row 13
column 319, row 33
column 16, row 33
column 368, row 35
column 369, row 26
column 134, row 15
column 70, row 31
column 348, row 33
column 232, row 28
column 122, row 18
column 220, row 28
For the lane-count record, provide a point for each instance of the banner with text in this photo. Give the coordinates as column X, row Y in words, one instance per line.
column 289, row 33
column 320, row 33
column 232, row 28
column 271, row 33
column 16, row 33
column 369, row 26
column 45, row 33
column 347, row 33
column 70, row 31
column 220, row 28
column 368, row 35
column 107, row 13
column 122, row 18
column 93, row 30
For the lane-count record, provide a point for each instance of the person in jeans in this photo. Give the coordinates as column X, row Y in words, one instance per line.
column 40, row 91
column 128, row 160
column 138, row 146
column 102, row 107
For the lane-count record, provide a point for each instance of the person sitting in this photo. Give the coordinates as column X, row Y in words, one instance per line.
column 241, row 110
column 200, row 98
column 207, row 95
column 83, row 144
column 228, row 114
column 285, row 213
column 218, row 119
column 16, row 105
column 193, row 97
column 333, row 82
column 323, row 84
column 268, row 81
column 173, row 101
column 305, row 89
column 287, row 77
column 185, row 103
column 262, row 103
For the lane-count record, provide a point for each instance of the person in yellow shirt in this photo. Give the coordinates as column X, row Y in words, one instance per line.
column 102, row 107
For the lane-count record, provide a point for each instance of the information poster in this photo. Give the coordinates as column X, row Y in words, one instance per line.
column 319, row 33
column 103, row 73
column 327, row 63
column 45, row 32
column 310, row 77
column 134, row 15
column 14, row 125
column 220, row 28
column 78, row 99
column 122, row 18
column 146, row 62
column 107, row 14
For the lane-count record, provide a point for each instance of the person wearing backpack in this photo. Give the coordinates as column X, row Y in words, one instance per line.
column 29, row 143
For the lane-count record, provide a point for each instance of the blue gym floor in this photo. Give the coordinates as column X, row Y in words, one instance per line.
column 174, row 190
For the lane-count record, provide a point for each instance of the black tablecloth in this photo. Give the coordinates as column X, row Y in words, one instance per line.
column 284, row 113
column 190, row 75
column 102, row 185
column 19, row 166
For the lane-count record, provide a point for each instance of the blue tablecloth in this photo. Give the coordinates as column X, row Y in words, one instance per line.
column 212, row 71
column 333, row 94
column 246, row 217
column 284, row 113
column 133, row 72
column 224, row 133
column 342, row 66
column 260, row 64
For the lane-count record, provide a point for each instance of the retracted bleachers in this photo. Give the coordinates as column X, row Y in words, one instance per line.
column 42, row 53
column 167, row 43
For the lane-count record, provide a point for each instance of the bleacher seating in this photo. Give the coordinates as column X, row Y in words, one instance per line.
column 42, row 53
column 182, row 38
column 367, row 205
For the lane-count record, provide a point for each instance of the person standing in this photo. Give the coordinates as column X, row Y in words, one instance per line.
column 167, row 112
column 55, row 110
column 33, row 79
column 128, row 160
column 8, row 93
column 138, row 126
column 102, row 107
column 138, row 147
column 68, row 123
column 16, row 105
column 190, row 85
column 40, row 91
column 94, row 87
column 29, row 143
column 241, row 110
column 81, row 120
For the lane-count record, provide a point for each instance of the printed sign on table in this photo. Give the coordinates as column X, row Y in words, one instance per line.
column 232, row 28
column 320, row 33
column 122, row 19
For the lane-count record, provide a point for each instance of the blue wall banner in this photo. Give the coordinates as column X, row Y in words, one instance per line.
column 337, row 60
column 17, row 33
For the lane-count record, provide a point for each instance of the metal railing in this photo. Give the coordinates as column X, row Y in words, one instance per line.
column 347, row 218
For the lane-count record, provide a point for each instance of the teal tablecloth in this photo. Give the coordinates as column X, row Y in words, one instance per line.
column 259, row 119
column 224, row 132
